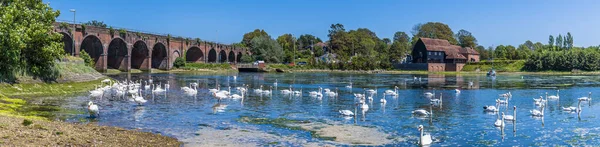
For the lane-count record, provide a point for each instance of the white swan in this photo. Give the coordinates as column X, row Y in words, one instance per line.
column 364, row 106
column 382, row 100
column 267, row 92
column 147, row 86
column 424, row 139
column 219, row 95
column 97, row 92
column 346, row 112
column 286, row 91
column 588, row 98
column 93, row 109
column 490, row 109
column 158, row 89
column 554, row 96
column 430, row 94
column 499, row 101
column 275, row 84
column 457, row 91
column 423, row 112
column 506, row 95
column 536, row 112
column 511, row 117
column 259, row 90
column 392, row 92
column 331, row 93
column 192, row 90
column 139, row 99
column 437, row 101
column 349, row 86
column 578, row 108
column 167, row 86
column 236, row 96
column 499, row 122
column 538, row 100
column 315, row 92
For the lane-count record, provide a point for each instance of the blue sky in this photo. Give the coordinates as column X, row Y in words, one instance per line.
column 507, row 22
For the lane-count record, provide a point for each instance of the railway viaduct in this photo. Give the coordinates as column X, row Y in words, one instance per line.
column 126, row 50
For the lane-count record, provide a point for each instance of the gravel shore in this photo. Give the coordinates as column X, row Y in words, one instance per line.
column 17, row 132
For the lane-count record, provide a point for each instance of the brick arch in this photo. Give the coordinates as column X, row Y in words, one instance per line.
column 212, row 55
column 159, row 55
column 117, row 53
column 68, row 43
column 194, row 54
column 239, row 57
column 231, row 57
column 222, row 56
column 94, row 47
column 139, row 54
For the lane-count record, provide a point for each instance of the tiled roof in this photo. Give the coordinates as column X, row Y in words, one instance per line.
column 451, row 51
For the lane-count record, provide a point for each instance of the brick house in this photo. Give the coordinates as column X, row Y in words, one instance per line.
column 440, row 55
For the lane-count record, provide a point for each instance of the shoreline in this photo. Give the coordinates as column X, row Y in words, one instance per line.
column 25, row 132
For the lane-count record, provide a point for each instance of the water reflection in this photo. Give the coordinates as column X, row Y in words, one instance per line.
column 457, row 120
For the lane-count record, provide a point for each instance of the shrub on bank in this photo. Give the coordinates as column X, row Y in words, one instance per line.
column 87, row 59
column 179, row 62
column 213, row 66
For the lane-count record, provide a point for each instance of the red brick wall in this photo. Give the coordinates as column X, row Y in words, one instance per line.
column 436, row 67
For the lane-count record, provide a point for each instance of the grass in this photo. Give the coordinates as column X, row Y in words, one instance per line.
column 196, row 66
column 45, row 89
column 14, row 107
column 499, row 65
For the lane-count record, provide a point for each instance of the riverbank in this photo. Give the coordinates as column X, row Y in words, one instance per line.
column 26, row 132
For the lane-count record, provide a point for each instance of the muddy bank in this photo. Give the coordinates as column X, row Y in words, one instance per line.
column 330, row 131
column 15, row 132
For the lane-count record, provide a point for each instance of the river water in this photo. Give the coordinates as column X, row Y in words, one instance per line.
column 460, row 120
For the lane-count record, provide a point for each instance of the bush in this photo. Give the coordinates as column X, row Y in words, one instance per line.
column 566, row 60
column 87, row 59
column 179, row 62
column 27, row 122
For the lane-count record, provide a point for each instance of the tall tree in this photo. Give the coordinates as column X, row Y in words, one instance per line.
column 569, row 40
column 251, row 35
column 435, row 30
column 559, row 42
column 529, row 44
column 466, row 39
column 400, row 47
column 551, row 42
column 95, row 23
column 307, row 40
column 387, row 40
column 27, row 42
column 286, row 41
column 267, row 49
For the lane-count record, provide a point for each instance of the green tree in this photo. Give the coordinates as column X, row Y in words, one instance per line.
column 319, row 51
column 286, row 41
column 87, row 59
column 435, row 30
column 95, row 23
column 529, row 44
column 551, row 42
column 267, row 49
column 400, row 47
column 559, row 42
column 569, row 40
column 387, row 40
column 27, row 42
column 179, row 62
column 466, row 39
column 306, row 40
column 251, row 35
column 246, row 59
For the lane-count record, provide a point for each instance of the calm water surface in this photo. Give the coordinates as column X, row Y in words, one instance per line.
column 459, row 121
